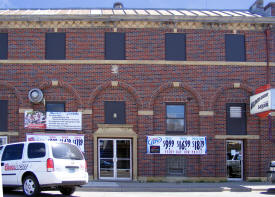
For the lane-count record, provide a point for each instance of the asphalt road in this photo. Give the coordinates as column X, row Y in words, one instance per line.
column 149, row 194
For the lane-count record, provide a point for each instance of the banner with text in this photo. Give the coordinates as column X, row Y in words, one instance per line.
column 64, row 120
column 177, row 145
column 77, row 139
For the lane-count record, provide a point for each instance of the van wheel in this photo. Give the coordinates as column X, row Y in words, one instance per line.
column 31, row 186
column 67, row 190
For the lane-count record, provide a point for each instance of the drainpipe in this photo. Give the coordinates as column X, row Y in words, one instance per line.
column 267, row 36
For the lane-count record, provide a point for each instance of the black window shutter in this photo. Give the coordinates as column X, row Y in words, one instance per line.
column 114, row 46
column 235, row 47
column 55, row 107
column 3, row 46
column 114, row 112
column 236, row 119
column 56, row 46
column 3, row 115
column 175, row 46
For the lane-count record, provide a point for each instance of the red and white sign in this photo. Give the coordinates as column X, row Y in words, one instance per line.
column 263, row 102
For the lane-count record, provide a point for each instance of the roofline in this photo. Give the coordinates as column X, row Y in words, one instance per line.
column 113, row 18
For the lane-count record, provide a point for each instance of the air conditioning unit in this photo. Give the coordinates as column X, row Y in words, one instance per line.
column 35, row 95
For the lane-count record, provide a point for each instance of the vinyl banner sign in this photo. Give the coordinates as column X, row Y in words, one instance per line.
column 262, row 102
column 35, row 120
column 64, row 120
column 176, row 145
column 77, row 139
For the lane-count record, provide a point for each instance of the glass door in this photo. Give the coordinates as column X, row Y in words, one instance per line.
column 234, row 159
column 115, row 159
column 106, row 159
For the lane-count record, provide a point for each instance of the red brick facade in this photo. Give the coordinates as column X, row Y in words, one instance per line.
column 146, row 86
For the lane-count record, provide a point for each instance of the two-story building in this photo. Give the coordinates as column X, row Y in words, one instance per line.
column 163, row 94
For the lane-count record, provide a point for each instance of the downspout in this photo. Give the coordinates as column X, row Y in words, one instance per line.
column 267, row 36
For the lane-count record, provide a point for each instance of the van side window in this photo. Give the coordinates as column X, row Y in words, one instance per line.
column 36, row 150
column 13, row 152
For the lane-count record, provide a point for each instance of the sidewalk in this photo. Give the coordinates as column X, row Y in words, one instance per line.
column 178, row 187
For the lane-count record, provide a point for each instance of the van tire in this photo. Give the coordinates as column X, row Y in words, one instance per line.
column 31, row 186
column 67, row 190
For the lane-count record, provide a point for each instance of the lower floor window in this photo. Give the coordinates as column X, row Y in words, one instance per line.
column 175, row 165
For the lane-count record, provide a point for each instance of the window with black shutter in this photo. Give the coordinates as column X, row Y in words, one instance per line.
column 236, row 119
column 114, row 112
column 3, row 46
column 55, row 46
column 54, row 106
column 3, row 115
column 175, row 47
column 235, row 47
column 114, row 46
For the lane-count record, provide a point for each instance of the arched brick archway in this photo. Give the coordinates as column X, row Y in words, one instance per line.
column 225, row 88
column 62, row 84
column 123, row 85
column 16, row 92
column 170, row 85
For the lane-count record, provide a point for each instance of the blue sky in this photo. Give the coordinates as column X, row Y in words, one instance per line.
column 187, row 4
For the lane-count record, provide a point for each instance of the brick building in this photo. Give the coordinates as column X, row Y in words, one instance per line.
column 135, row 73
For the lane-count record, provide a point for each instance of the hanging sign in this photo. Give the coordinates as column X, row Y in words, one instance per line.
column 261, row 102
column 176, row 145
column 76, row 139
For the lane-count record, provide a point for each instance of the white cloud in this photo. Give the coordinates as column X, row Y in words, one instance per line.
column 5, row 4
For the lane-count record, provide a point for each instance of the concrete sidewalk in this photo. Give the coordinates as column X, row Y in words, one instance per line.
column 178, row 187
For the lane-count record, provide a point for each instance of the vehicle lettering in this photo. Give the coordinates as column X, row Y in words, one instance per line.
column 15, row 167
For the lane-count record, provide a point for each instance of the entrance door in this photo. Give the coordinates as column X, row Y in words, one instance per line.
column 234, row 155
column 115, row 159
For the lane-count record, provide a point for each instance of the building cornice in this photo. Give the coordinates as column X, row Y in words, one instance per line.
column 255, row 25
column 138, row 62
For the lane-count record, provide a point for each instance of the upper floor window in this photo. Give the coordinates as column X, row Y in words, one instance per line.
column 175, row 117
column 236, row 119
column 3, row 46
column 235, row 47
column 114, row 112
column 55, row 106
column 175, row 46
column 55, row 46
column 114, row 46
column 3, row 115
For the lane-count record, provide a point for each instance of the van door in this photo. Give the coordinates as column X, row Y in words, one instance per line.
column 11, row 164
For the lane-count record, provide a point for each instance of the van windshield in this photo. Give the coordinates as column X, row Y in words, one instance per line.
column 66, row 151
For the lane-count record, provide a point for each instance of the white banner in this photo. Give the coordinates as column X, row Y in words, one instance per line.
column 77, row 139
column 64, row 120
column 187, row 145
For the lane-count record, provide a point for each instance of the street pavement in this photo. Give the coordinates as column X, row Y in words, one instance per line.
column 137, row 189
column 177, row 187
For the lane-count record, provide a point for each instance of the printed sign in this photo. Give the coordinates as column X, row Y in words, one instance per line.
column 35, row 120
column 77, row 139
column 176, row 145
column 262, row 102
column 64, row 120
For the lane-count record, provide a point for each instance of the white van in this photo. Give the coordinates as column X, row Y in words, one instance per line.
column 38, row 166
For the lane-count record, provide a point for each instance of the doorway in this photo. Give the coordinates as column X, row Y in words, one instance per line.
column 234, row 159
column 115, row 159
